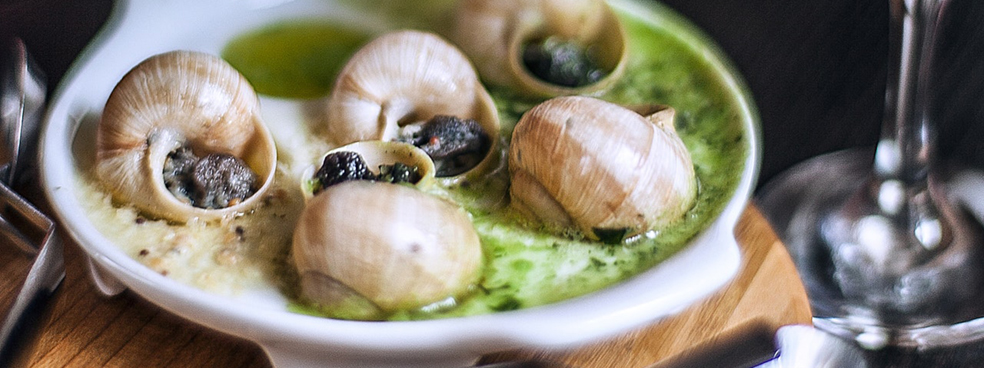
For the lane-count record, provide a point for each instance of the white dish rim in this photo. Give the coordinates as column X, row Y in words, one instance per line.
column 612, row 310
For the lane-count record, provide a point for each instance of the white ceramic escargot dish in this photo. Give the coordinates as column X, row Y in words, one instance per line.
column 510, row 245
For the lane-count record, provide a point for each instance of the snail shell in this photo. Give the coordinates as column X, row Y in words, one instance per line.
column 493, row 33
column 377, row 153
column 594, row 165
column 401, row 78
column 365, row 249
column 171, row 99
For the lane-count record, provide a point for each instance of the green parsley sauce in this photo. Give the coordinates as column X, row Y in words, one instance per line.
column 525, row 267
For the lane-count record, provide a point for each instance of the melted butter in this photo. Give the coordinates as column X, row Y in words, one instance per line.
column 293, row 60
column 524, row 267
column 227, row 256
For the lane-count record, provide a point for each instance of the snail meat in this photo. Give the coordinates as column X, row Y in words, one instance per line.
column 214, row 181
column 454, row 144
column 398, row 173
column 343, row 166
column 339, row 167
column 383, row 161
column 561, row 62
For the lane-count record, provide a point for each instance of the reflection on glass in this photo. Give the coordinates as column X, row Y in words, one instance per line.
column 884, row 248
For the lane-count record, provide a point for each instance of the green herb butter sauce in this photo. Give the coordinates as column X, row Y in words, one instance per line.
column 524, row 266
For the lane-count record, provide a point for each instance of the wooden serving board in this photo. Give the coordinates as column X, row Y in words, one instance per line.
column 89, row 330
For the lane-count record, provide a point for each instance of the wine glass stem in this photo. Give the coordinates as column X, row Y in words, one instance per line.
column 901, row 185
column 888, row 256
column 906, row 148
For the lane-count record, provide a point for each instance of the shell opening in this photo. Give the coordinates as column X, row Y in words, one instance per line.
column 212, row 181
column 196, row 101
column 563, row 62
column 455, row 145
column 528, row 44
column 400, row 81
column 342, row 166
column 390, row 162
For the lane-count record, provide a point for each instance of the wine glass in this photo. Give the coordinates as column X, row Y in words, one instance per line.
column 881, row 238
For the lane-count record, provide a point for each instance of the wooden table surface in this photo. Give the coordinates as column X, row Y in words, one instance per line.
column 87, row 329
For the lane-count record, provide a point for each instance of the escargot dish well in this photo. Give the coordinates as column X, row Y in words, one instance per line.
column 427, row 252
column 612, row 173
column 374, row 158
column 166, row 113
column 400, row 81
column 543, row 47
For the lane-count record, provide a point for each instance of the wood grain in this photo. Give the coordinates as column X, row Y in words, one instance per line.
column 88, row 330
column 765, row 295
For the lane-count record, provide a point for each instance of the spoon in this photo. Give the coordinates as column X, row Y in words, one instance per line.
column 806, row 346
column 22, row 100
column 525, row 364
column 22, row 104
column 791, row 346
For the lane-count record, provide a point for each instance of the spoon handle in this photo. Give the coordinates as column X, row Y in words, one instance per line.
column 24, row 91
column 27, row 315
column 23, row 101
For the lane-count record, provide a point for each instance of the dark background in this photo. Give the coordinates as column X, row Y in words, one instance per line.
column 816, row 69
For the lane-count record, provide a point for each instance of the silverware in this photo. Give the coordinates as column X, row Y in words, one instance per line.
column 23, row 226
column 806, row 346
column 792, row 346
column 525, row 364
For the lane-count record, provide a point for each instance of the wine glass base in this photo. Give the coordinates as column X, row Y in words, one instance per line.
column 800, row 203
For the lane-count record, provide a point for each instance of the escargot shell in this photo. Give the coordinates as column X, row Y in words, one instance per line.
column 600, row 167
column 176, row 99
column 402, row 78
column 365, row 249
column 493, row 33
column 376, row 153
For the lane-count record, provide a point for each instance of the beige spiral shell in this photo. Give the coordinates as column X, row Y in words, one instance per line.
column 594, row 165
column 493, row 33
column 426, row 251
column 168, row 99
column 400, row 78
